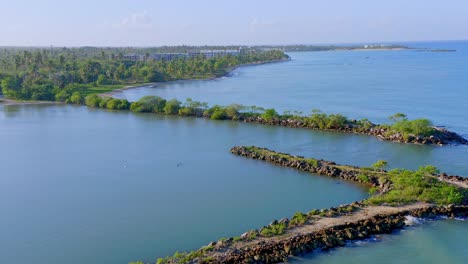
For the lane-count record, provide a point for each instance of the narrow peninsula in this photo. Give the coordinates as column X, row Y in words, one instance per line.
column 400, row 128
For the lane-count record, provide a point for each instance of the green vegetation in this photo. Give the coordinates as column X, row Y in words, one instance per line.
column 419, row 185
column 406, row 186
column 184, row 257
column 56, row 74
column 417, row 127
column 380, row 165
column 270, row 114
column 363, row 177
column 317, row 120
column 273, row 230
column 321, row 120
column 299, row 218
column 105, row 102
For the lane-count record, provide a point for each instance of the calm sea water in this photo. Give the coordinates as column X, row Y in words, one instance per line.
column 371, row 84
column 81, row 185
column 431, row 243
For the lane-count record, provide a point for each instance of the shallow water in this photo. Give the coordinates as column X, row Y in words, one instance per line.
column 81, row 185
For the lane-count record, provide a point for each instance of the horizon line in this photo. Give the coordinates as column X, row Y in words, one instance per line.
column 240, row 45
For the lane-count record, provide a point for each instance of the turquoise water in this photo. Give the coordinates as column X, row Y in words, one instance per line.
column 81, row 185
column 431, row 243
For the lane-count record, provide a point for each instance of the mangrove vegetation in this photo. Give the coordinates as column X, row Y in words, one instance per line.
column 399, row 128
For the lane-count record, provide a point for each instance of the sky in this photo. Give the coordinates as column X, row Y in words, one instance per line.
column 220, row 22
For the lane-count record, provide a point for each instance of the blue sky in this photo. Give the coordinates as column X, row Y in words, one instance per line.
column 198, row 22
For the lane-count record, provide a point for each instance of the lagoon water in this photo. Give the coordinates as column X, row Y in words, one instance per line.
column 81, row 185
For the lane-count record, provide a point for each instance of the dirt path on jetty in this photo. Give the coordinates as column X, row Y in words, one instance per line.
column 321, row 232
column 329, row 222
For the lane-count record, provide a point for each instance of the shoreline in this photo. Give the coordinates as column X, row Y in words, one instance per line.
column 127, row 87
column 7, row 102
column 225, row 74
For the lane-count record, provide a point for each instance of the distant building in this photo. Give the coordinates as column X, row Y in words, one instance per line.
column 168, row 56
column 218, row 53
column 133, row 57
column 174, row 56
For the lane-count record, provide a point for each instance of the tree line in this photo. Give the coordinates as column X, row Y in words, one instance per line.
column 55, row 75
column 399, row 123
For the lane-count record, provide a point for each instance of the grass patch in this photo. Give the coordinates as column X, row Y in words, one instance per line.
column 100, row 89
column 418, row 186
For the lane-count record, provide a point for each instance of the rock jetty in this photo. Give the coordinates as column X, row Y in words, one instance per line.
column 332, row 227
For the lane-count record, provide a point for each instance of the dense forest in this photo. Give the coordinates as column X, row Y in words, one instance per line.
column 58, row 74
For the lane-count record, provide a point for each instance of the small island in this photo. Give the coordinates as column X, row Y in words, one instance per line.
column 397, row 195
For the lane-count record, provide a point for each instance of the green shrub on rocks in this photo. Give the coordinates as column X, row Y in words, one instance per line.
column 233, row 110
column 417, row 127
column 216, row 113
column 363, row 177
column 77, row 98
column 270, row 114
column 299, row 218
column 252, row 235
column 373, row 190
column 93, row 100
column 104, row 101
column 149, row 104
column 273, row 230
column 320, row 120
column 118, row 104
column 193, row 108
column 314, row 212
column 380, row 165
column 172, row 107
column 312, row 162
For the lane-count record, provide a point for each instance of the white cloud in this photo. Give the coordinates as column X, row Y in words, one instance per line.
column 137, row 19
column 140, row 21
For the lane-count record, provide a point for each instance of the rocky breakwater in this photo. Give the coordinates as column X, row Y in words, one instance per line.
column 328, row 234
column 454, row 179
column 321, row 167
column 388, row 210
column 440, row 136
